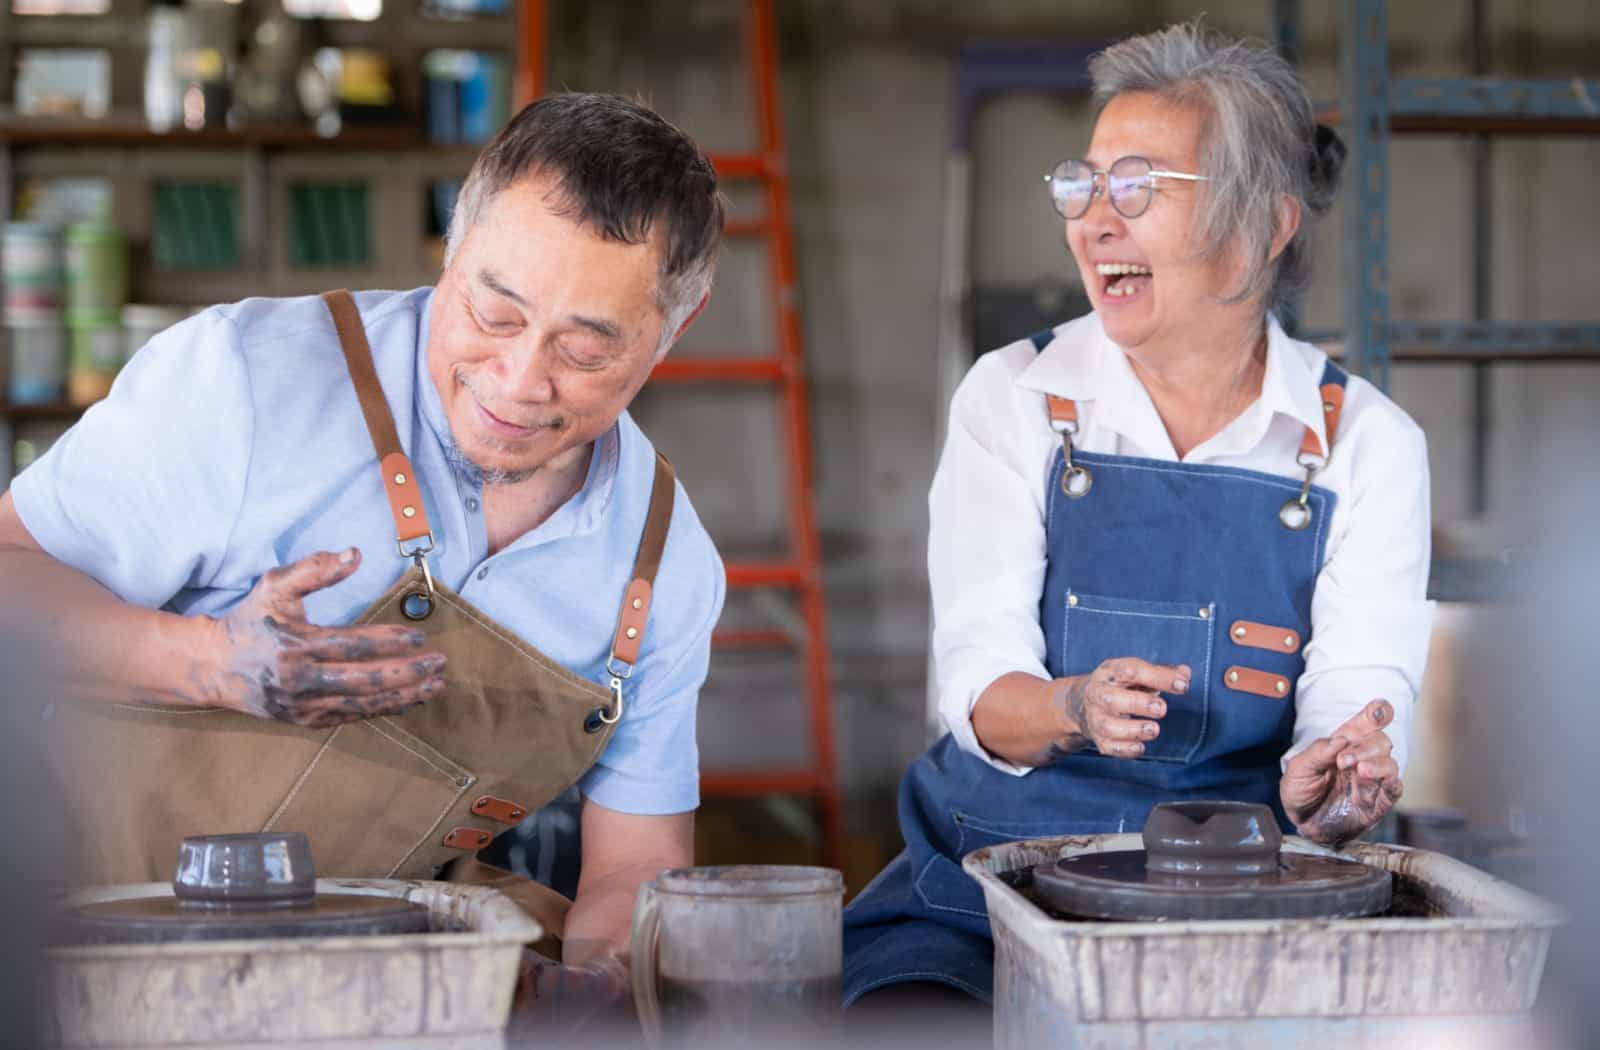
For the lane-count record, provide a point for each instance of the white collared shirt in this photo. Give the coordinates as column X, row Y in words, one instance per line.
column 986, row 546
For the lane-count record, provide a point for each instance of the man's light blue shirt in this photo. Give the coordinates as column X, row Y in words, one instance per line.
column 233, row 443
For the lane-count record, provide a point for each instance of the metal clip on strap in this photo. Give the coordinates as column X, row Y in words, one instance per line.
column 1296, row 514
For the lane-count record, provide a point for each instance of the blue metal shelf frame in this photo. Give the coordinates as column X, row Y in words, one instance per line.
column 1364, row 63
column 1495, row 97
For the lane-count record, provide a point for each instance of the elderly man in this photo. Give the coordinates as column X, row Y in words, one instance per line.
column 395, row 569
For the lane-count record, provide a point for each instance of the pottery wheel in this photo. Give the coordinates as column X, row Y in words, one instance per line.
column 240, row 886
column 146, row 920
column 1212, row 860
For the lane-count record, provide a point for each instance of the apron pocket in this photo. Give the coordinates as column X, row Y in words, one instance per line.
column 370, row 799
column 1099, row 628
column 975, row 832
column 942, row 884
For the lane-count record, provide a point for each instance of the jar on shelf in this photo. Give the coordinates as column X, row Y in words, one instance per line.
column 94, row 358
column 97, row 271
column 32, row 268
column 36, row 360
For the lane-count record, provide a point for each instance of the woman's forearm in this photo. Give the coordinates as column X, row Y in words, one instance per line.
column 1027, row 720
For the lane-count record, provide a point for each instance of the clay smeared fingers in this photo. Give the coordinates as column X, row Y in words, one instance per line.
column 1125, row 730
column 1366, row 749
column 1141, row 674
column 312, row 573
column 1370, row 719
column 1134, row 703
column 349, row 644
column 1380, row 768
column 1320, row 756
column 325, row 711
column 1121, row 748
column 370, row 677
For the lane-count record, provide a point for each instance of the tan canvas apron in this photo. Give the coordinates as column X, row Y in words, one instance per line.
column 400, row 796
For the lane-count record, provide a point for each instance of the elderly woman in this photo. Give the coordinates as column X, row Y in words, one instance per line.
column 1175, row 554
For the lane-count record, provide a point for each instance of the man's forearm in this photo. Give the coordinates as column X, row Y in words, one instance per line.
column 601, row 918
column 93, row 645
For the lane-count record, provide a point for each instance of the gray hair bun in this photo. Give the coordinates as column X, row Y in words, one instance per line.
column 1327, row 161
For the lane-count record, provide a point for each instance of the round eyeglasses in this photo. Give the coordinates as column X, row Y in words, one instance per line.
column 1130, row 185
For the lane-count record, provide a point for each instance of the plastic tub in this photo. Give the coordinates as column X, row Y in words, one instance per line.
column 32, row 268
column 142, row 323
column 37, row 361
column 1455, row 962
column 95, row 358
column 97, row 271
column 449, row 984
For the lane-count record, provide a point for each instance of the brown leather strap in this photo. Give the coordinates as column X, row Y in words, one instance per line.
column 1063, row 412
column 1265, row 636
column 636, row 600
column 499, row 809
column 399, row 480
column 467, row 838
column 1332, row 406
column 1261, row 683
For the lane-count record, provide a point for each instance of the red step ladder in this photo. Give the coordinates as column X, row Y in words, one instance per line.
column 800, row 572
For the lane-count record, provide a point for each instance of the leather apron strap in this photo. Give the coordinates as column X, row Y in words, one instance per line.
column 411, row 518
column 399, row 480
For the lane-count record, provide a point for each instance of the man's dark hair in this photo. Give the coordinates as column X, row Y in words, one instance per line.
column 622, row 169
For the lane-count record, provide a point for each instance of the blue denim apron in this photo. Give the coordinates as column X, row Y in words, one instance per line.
column 1173, row 563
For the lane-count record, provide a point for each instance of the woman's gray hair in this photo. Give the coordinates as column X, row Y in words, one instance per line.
column 1261, row 142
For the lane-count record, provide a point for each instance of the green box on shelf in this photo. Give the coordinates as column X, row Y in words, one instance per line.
column 196, row 226
column 329, row 225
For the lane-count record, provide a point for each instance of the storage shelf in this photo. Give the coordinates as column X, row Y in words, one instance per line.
column 23, row 131
column 57, row 410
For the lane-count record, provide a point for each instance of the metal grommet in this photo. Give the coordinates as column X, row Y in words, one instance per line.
column 1076, row 481
column 399, row 479
column 1281, row 686
column 1072, row 600
column 595, row 722
column 1233, row 676
column 1239, row 632
column 409, row 512
column 416, row 606
column 1294, row 515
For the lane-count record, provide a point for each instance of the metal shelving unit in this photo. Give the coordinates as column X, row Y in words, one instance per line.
column 395, row 164
column 1376, row 106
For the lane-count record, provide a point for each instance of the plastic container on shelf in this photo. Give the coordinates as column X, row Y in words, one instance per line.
column 97, row 271
column 95, row 358
column 32, row 268
column 142, row 323
column 37, row 360
column 163, row 83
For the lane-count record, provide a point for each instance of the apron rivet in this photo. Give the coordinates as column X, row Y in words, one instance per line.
column 633, row 632
column 638, row 603
column 1281, row 686
column 1327, row 406
column 1288, row 641
column 1205, row 614
column 409, row 512
column 1072, row 599
column 1239, row 632
column 399, row 479
column 1233, row 676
